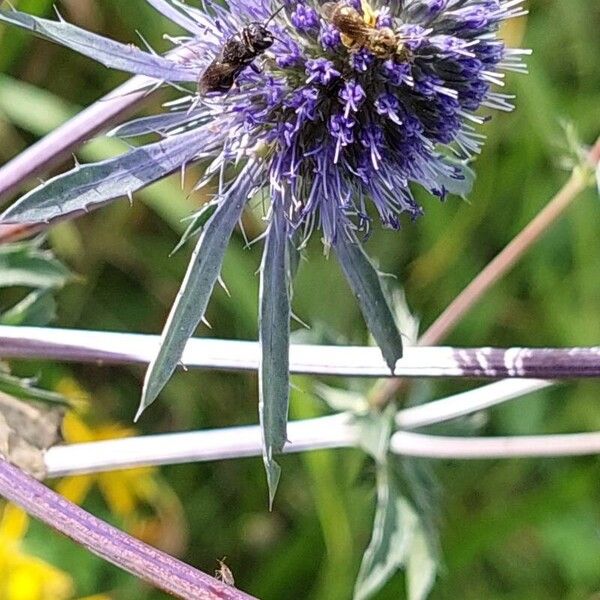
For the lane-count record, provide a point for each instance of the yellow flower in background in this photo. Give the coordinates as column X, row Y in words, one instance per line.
column 22, row 576
column 128, row 493
column 513, row 31
column 123, row 490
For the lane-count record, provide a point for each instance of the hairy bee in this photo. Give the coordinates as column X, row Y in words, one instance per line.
column 238, row 52
column 357, row 33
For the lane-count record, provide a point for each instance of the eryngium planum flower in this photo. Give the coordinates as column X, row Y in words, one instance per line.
column 349, row 105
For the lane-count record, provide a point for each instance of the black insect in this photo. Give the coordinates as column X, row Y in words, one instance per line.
column 239, row 51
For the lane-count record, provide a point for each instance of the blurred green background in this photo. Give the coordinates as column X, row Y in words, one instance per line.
column 519, row 529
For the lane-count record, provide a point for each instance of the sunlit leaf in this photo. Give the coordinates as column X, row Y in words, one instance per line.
column 274, row 335
column 392, row 532
column 27, row 265
column 36, row 310
column 342, row 400
column 400, row 538
column 421, row 567
column 375, row 432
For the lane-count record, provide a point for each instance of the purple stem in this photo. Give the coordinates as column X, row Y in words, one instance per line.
column 209, row 353
column 56, row 146
column 147, row 563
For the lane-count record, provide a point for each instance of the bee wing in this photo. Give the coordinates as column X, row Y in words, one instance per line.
column 354, row 28
column 218, row 77
column 328, row 10
column 346, row 18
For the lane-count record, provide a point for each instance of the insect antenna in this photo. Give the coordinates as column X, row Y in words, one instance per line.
column 274, row 14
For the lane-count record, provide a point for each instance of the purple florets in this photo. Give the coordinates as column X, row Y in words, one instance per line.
column 320, row 70
column 329, row 127
column 352, row 95
column 388, row 105
column 357, row 4
column 362, row 60
column 337, row 123
column 330, row 37
column 305, row 18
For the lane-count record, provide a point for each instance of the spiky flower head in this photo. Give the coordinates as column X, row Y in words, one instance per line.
column 336, row 119
column 348, row 106
column 334, row 123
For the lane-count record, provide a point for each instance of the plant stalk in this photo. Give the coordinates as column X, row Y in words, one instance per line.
column 349, row 361
column 578, row 182
column 417, row 445
column 195, row 446
column 128, row 553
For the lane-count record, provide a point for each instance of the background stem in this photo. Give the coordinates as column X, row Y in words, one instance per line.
column 111, row 544
column 56, row 146
column 498, row 268
column 407, row 443
column 335, row 431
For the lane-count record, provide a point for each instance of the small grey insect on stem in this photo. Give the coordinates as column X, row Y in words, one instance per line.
column 224, row 573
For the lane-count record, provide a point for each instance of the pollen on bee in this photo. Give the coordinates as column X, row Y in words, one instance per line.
column 347, row 40
column 370, row 15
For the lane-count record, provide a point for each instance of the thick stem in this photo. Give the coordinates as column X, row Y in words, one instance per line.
column 111, row 544
column 504, row 262
column 349, row 361
column 314, row 434
column 418, row 445
column 467, row 403
column 196, row 446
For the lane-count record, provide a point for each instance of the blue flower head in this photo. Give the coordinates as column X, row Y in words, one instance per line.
column 333, row 125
